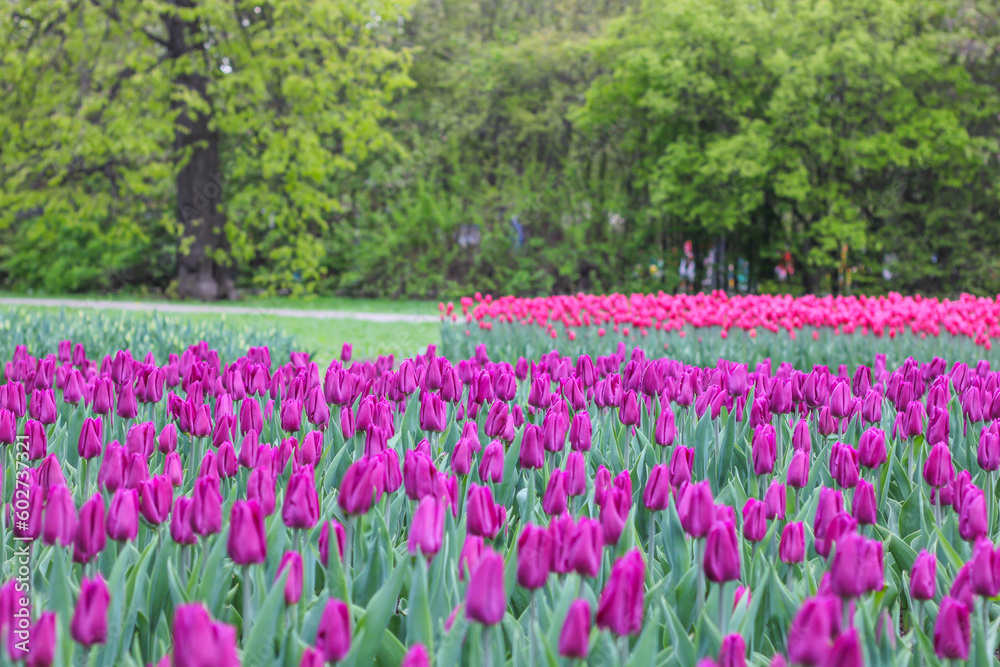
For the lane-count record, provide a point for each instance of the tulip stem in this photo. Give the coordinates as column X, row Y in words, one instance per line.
column 649, row 558
column 700, row 583
column 919, row 624
column 986, row 622
column 246, row 602
column 348, row 552
column 533, row 619
column 623, row 647
column 487, row 646
column 990, row 513
column 722, row 610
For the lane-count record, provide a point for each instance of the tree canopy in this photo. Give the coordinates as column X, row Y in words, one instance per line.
column 518, row 146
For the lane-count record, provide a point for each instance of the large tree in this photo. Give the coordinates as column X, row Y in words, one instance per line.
column 806, row 126
column 200, row 134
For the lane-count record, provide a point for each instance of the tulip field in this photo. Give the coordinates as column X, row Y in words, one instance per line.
column 701, row 328
column 522, row 503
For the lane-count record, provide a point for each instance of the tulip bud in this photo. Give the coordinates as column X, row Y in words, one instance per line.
column 657, row 493
column 291, row 415
column 484, row 517
column 614, row 514
column 554, row 500
column 846, row 650
column 831, row 503
column 486, row 599
column 357, row 488
column 846, row 571
column 666, row 429
column 532, row 453
column 42, row 648
column 247, row 542
column 938, row 470
column 38, row 442
column 333, row 638
column 775, row 501
column 166, row 442
column 620, row 608
column 581, row 432
column 754, row 520
column 865, row 504
column 310, row 658
column 575, row 477
column 972, row 515
column 952, row 633
column 324, row 541
column 90, row 536
column 123, row 515
column 681, row 462
column 722, row 553
column 763, row 449
column 923, row 577
column 574, row 639
column 844, row 465
column 181, row 522
column 534, row 555
column 988, row 453
column 433, row 414
column 491, row 465
column 301, row 505
column 582, row 548
column 628, row 413
column 733, row 651
column 60, row 517
column 90, row 618
column 207, row 508
column 792, row 547
column 416, row 657
column 292, row 562
column 801, row 439
column 871, row 448
column 427, row 528
column 89, row 444
column 697, row 509
column 173, row 469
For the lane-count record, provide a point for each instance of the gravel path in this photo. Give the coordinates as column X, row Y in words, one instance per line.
column 209, row 310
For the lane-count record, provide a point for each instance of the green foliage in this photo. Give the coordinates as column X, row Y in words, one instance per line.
column 103, row 333
column 97, row 100
column 373, row 148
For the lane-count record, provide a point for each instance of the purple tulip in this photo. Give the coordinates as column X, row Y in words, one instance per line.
column 722, row 553
column 534, row 554
column 620, row 608
column 486, row 599
column 792, row 547
column 301, row 505
column 292, row 562
column 554, row 500
column 952, row 632
column 90, row 536
column 574, row 638
column 754, row 520
column 865, row 504
column 923, row 574
column 90, row 618
column 427, row 528
column 333, row 638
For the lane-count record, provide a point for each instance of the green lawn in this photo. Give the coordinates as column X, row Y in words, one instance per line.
column 408, row 307
column 324, row 338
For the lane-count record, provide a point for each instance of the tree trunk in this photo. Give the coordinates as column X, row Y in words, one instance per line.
column 199, row 184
